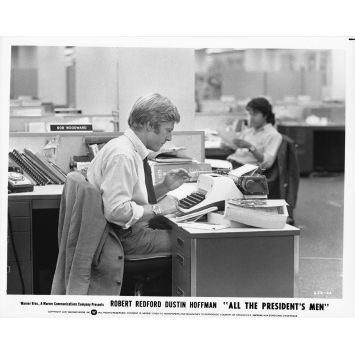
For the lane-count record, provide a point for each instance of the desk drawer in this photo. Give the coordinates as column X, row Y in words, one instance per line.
column 19, row 209
column 181, row 287
column 180, row 264
column 181, row 243
column 20, row 224
column 45, row 204
column 14, row 281
column 22, row 242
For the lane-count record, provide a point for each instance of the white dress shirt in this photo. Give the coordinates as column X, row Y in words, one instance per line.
column 117, row 171
column 266, row 140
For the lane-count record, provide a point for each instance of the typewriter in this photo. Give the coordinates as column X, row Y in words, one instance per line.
column 211, row 190
column 253, row 186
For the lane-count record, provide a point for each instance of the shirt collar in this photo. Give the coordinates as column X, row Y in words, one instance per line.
column 138, row 145
column 263, row 128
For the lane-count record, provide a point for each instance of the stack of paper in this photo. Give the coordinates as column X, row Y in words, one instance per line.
column 257, row 213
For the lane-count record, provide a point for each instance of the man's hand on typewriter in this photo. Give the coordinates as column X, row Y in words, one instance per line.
column 175, row 178
column 168, row 204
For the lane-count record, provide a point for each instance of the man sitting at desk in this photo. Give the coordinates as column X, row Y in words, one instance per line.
column 122, row 174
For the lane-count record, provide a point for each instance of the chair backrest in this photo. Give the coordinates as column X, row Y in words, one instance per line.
column 283, row 176
column 83, row 234
column 288, row 169
column 77, row 190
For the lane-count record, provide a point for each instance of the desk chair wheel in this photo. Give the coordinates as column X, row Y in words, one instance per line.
column 147, row 275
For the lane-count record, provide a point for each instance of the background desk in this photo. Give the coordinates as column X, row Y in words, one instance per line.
column 238, row 262
column 320, row 148
column 34, row 222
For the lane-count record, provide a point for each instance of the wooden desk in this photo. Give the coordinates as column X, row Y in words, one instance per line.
column 218, row 153
column 34, row 224
column 238, row 262
column 243, row 262
column 319, row 147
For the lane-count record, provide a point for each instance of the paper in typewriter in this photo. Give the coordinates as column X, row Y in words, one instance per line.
column 244, row 169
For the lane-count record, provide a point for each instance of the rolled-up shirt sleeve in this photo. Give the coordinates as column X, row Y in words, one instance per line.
column 118, row 182
column 270, row 151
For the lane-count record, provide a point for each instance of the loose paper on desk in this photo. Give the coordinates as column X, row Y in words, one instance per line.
column 255, row 203
column 228, row 137
column 203, row 226
column 244, row 169
column 193, row 216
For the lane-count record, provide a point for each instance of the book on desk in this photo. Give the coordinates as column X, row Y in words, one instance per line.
column 262, row 213
column 36, row 167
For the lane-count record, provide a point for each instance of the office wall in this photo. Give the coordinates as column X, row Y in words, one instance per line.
column 242, row 84
column 24, row 81
column 24, row 57
column 337, row 85
column 167, row 71
column 24, row 75
column 51, row 74
column 279, row 84
column 109, row 78
column 312, row 84
column 96, row 80
column 39, row 71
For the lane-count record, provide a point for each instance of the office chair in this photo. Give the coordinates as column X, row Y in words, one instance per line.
column 142, row 272
column 283, row 176
column 139, row 271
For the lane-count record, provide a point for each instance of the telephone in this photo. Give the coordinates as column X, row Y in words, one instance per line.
column 18, row 182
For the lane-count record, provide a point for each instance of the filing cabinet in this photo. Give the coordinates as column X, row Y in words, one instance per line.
column 319, row 147
column 21, row 229
column 238, row 262
column 181, row 266
column 32, row 237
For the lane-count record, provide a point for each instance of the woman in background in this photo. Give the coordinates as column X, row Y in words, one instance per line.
column 258, row 144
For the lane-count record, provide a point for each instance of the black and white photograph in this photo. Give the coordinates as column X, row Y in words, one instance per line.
column 176, row 178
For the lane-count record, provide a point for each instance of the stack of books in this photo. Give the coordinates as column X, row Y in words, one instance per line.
column 38, row 169
column 262, row 213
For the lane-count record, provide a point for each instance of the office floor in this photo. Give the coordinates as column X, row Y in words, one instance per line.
column 319, row 215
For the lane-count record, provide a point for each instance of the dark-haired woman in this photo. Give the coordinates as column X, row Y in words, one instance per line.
column 258, row 144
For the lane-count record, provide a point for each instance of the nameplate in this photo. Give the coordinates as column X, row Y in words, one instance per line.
column 71, row 127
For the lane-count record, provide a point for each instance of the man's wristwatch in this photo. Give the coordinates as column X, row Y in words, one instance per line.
column 156, row 210
column 252, row 149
